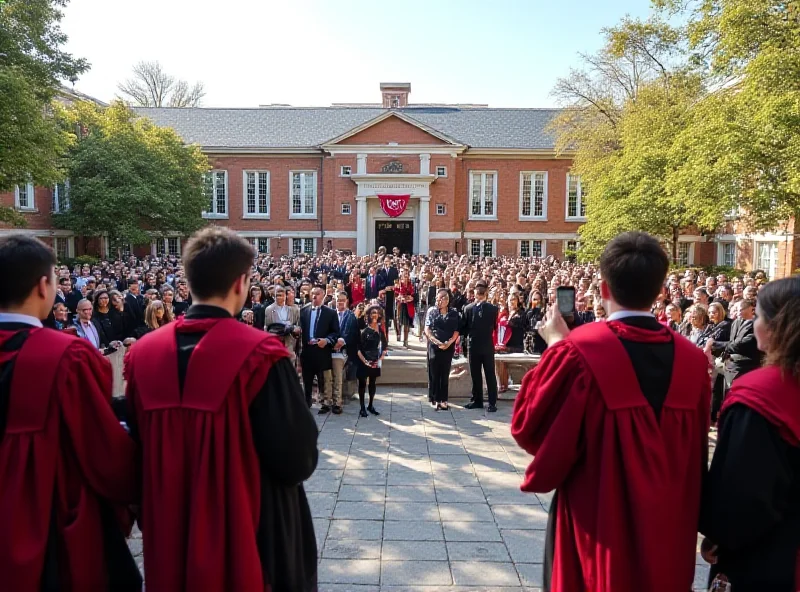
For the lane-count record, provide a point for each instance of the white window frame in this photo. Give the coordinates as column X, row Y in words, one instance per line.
column 721, row 253
column 443, row 173
column 258, row 215
column 579, row 204
column 345, row 173
column 346, row 205
column 530, row 242
column 163, row 244
column 303, row 244
column 60, row 203
column 773, row 269
column 482, row 246
column 690, row 252
column 257, row 243
column 303, row 179
column 30, row 194
column 565, row 246
column 532, row 216
column 214, row 215
column 441, row 209
column 483, row 174
column 69, row 248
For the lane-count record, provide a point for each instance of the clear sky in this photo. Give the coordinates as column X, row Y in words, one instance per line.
column 507, row 53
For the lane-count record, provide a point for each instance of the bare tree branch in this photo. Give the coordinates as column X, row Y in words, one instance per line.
column 150, row 86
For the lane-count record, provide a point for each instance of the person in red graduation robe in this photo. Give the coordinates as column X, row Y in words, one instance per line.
column 66, row 463
column 226, row 440
column 616, row 415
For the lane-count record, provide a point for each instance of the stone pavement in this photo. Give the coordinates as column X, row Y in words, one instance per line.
column 415, row 500
column 426, row 501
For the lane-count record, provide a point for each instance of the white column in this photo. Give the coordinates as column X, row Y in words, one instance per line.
column 361, row 164
column 424, row 224
column 424, row 164
column 361, row 229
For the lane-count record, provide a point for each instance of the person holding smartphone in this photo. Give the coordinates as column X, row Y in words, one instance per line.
column 371, row 351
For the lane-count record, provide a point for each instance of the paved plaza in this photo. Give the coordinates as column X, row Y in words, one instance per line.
column 425, row 501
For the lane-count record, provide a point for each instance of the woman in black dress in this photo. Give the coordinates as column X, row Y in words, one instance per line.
column 110, row 319
column 441, row 329
column 372, row 347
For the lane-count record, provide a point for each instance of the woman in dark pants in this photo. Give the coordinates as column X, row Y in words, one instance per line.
column 441, row 329
column 372, row 347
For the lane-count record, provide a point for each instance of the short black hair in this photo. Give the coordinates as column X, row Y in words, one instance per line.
column 214, row 259
column 24, row 261
column 634, row 264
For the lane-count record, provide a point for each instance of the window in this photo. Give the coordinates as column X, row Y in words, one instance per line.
column 262, row 245
column 216, row 188
column 173, row 246
column 61, row 247
column 767, row 258
column 256, row 194
column 441, row 209
column 571, row 249
column 303, row 194
column 483, row 195
column 481, row 247
column 576, row 198
column 531, row 248
column 24, row 197
column 346, row 209
column 160, row 248
column 395, row 102
column 441, row 171
column 684, row 253
column 306, row 246
column 61, row 197
column 727, row 254
column 346, row 171
column 533, row 195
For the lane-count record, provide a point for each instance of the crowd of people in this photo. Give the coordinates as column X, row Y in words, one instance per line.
column 113, row 303
column 628, row 383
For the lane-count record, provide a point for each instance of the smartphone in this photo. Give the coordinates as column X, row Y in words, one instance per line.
column 565, row 296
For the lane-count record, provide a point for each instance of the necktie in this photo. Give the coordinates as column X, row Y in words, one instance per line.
column 315, row 311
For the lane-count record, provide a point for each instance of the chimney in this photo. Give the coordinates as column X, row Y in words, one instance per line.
column 395, row 94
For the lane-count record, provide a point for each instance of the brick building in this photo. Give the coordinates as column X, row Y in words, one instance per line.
column 481, row 181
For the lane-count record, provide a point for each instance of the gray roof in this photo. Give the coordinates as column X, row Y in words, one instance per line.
column 291, row 127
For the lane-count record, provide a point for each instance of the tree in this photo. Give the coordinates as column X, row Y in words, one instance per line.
column 744, row 141
column 152, row 87
column 130, row 179
column 625, row 110
column 31, row 65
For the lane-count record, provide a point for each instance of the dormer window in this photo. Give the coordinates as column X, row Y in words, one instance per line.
column 395, row 102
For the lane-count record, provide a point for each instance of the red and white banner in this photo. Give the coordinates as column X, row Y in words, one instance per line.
column 394, row 205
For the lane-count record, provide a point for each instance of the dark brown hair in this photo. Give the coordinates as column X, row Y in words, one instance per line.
column 24, row 261
column 634, row 265
column 778, row 303
column 214, row 259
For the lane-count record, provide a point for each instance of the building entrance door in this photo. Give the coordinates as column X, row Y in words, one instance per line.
column 395, row 233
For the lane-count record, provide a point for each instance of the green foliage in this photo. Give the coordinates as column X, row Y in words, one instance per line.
column 131, row 179
column 31, row 141
column 675, row 127
column 71, row 262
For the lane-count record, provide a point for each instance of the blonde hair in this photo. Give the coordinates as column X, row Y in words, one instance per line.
column 150, row 318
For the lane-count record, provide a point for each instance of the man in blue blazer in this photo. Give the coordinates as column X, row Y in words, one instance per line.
column 345, row 350
column 320, row 329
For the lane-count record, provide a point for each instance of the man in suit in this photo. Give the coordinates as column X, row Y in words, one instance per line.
column 286, row 313
column 346, row 348
column 371, row 288
column 320, row 330
column 480, row 319
column 387, row 276
column 742, row 349
column 134, row 307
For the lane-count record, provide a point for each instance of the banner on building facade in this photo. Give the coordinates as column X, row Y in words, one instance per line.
column 394, row 205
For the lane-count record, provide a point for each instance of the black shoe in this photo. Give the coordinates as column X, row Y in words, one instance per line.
column 323, row 410
column 473, row 405
column 363, row 412
column 492, row 409
column 372, row 410
column 337, row 410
